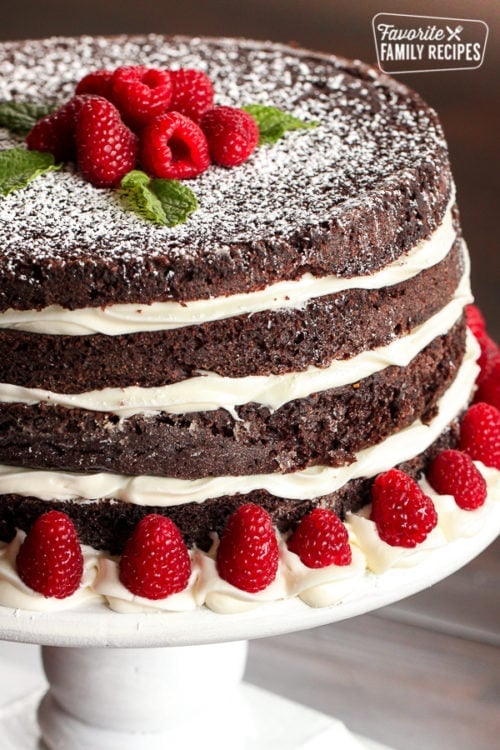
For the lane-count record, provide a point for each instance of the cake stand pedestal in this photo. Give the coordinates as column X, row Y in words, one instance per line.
column 174, row 680
column 269, row 722
column 187, row 697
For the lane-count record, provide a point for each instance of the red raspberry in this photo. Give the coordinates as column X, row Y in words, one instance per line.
column 247, row 556
column 480, row 434
column 106, row 148
column 321, row 539
column 155, row 562
column 489, row 385
column 141, row 94
column 489, row 353
column 232, row 135
column 50, row 559
column 99, row 82
column 174, row 147
column 193, row 93
column 403, row 514
column 475, row 320
column 56, row 132
column 453, row 473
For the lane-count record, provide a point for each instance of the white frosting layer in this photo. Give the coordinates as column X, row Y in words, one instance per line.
column 210, row 391
column 300, row 485
column 316, row 587
column 120, row 319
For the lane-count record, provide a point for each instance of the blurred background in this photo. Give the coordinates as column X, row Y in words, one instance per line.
column 424, row 672
column 467, row 101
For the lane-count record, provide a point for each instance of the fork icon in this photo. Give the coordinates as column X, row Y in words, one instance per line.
column 454, row 34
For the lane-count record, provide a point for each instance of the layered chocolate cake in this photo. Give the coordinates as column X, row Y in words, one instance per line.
column 300, row 333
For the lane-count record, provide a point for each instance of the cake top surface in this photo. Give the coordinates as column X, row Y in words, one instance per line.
column 375, row 139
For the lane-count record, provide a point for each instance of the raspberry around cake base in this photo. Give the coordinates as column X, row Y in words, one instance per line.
column 168, row 690
column 96, row 626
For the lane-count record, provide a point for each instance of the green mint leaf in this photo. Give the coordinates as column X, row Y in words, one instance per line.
column 177, row 200
column 273, row 122
column 19, row 117
column 19, row 166
column 164, row 202
column 137, row 196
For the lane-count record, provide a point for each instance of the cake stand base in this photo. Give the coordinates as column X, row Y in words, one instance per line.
column 254, row 719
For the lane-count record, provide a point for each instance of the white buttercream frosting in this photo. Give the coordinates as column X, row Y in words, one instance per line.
column 107, row 583
column 381, row 556
column 210, row 391
column 316, row 587
column 121, row 319
column 309, row 483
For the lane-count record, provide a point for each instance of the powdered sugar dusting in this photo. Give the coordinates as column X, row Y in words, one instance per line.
column 367, row 133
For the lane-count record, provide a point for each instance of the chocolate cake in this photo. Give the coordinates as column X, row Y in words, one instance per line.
column 302, row 331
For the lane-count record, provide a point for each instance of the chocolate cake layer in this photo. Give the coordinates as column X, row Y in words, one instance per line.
column 326, row 428
column 336, row 326
column 346, row 197
column 107, row 524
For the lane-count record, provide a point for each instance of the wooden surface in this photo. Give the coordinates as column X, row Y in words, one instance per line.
column 422, row 673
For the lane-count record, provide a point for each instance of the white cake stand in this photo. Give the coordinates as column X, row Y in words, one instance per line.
column 173, row 680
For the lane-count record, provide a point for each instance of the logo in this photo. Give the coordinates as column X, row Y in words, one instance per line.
column 418, row 44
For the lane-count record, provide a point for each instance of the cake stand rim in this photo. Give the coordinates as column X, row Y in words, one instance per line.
column 98, row 626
